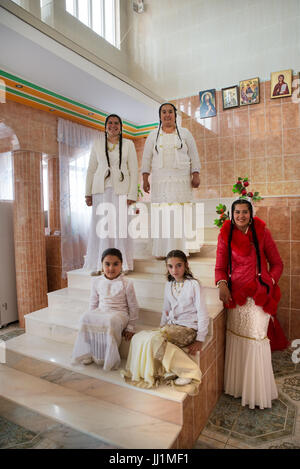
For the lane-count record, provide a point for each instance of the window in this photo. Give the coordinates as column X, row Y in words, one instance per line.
column 6, row 176
column 99, row 15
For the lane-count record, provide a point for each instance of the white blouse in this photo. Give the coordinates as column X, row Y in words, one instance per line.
column 186, row 309
column 115, row 295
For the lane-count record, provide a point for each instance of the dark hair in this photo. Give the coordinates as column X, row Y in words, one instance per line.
column 252, row 227
column 159, row 113
column 176, row 253
column 112, row 252
column 120, row 145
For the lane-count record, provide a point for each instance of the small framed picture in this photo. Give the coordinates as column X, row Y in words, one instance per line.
column 249, row 91
column 230, row 97
column 281, row 83
column 207, row 103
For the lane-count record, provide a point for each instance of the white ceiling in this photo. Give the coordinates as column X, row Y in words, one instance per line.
column 33, row 56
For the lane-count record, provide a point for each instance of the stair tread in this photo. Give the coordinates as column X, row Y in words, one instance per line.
column 115, row 425
column 60, row 353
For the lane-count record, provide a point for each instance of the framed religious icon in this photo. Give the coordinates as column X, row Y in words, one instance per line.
column 281, row 83
column 249, row 91
column 230, row 97
column 207, row 103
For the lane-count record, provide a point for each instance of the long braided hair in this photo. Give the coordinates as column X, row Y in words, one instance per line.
column 160, row 123
column 120, row 146
column 181, row 255
column 255, row 240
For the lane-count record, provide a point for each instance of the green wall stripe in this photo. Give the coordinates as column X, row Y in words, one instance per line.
column 55, row 95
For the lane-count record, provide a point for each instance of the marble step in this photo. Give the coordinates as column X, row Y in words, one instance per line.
column 45, row 359
column 113, row 424
column 75, row 299
column 62, row 324
column 201, row 267
column 145, row 284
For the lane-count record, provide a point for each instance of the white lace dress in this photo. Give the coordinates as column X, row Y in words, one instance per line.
column 110, row 236
column 113, row 308
column 248, row 365
column 170, row 189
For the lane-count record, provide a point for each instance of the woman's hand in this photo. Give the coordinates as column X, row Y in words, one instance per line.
column 127, row 335
column 224, row 293
column 146, row 184
column 195, row 347
column 89, row 200
column 195, row 180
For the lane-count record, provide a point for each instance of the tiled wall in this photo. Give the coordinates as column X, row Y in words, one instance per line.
column 261, row 141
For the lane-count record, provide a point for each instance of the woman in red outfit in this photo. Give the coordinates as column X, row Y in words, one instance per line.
column 250, row 291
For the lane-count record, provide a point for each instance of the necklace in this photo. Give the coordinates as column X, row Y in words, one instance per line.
column 113, row 147
column 177, row 286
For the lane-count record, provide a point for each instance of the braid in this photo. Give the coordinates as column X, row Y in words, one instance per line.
column 179, row 135
column 157, row 136
column 107, row 157
column 120, row 155
column 258, row 257
column 229, row 254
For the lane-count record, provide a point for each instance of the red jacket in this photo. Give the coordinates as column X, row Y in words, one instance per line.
column 244, row 278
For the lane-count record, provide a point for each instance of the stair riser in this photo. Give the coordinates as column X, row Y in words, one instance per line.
column 127, row 397
column 68, row 335
column 205, row 270
column 55, row 332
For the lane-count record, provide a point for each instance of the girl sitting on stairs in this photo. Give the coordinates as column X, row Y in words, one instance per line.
column 155, row 355
column 112, row 313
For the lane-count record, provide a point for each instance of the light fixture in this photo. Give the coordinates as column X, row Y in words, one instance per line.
column 19, row 86
column 51, row 110
column 90, row 113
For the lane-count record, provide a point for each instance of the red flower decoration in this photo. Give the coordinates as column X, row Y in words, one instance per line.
column 244, row 192
column 246, row 183
column 250, row 194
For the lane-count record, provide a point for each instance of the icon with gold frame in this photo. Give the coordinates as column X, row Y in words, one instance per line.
column 281, row 83
column 249, row 91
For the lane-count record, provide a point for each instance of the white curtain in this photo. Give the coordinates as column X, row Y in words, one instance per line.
column 6, row 176
column 75, row 142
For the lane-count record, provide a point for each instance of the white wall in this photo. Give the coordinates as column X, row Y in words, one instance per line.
column 179, row 47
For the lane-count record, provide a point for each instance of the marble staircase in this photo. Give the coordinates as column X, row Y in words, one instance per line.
column 127, row 416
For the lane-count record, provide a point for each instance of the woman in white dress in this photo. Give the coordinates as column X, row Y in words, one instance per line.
column 112, row 179
column 171, row 157
column 112, row 313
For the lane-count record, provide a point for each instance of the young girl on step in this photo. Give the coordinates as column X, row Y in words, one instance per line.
column 155, row 356
column 113, row 311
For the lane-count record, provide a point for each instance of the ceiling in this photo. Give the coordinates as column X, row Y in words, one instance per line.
column 35, row 57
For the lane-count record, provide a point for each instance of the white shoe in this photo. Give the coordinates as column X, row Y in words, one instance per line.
column 182, row 381
column 87, row 361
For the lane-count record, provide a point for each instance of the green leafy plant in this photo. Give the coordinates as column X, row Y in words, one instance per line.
column 240, row 187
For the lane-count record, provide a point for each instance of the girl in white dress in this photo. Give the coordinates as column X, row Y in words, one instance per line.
column 112, row 179
column 171, row 157
column 112, row 313
column 157, row 355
